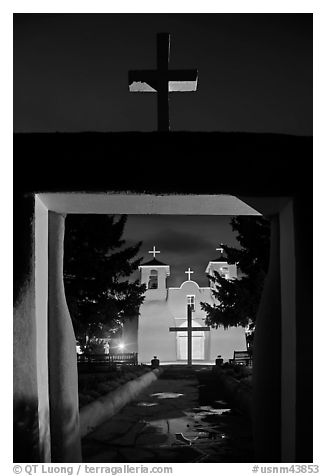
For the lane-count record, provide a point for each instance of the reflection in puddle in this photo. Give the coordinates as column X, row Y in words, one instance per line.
column 203, row 434
column 190, row 429
column 176, row 430
column 184, row 439
column 162, row 395
column 172, row 425
column 146, row 404
column 208, row 410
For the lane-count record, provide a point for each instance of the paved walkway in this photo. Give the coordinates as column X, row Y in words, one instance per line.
column 182, row 417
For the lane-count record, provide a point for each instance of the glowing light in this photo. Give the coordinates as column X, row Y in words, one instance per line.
column 121, row 346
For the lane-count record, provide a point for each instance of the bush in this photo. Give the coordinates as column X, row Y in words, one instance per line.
column 103, row 388
column 94, row 393
column 85, row 399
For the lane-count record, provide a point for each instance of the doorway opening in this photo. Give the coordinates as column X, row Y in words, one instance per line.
column 198, row 343
column 204, row 204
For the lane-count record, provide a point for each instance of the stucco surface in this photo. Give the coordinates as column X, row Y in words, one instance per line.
column 167, row 307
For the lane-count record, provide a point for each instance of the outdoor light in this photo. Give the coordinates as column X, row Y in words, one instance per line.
column 121, row 346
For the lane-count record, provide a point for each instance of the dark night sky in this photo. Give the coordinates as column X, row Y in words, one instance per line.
column 184, row 241
column 255, row 74
column 255, row 71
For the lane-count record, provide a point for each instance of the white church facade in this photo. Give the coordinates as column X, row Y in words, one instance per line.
column 164, row 310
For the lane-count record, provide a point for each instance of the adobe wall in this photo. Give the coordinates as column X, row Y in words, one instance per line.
column 63, row 379
column 254, row 165
column 25, row 392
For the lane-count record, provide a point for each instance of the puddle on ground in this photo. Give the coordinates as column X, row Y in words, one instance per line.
column 146, row 404
column 184, row 439
column 208, row 410
column 175, row 430
column 220, row 402
column 162, row 395
column 190, row 429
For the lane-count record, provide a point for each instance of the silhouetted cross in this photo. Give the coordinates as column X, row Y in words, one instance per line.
column 189, row 329
column 163, row 81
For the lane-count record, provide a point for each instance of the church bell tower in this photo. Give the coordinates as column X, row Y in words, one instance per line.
column 153, row 273
column 221, row 266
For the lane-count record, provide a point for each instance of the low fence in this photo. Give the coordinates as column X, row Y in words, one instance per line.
column 109, row 359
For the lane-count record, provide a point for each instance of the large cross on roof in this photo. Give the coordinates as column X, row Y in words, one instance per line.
column 163, row 81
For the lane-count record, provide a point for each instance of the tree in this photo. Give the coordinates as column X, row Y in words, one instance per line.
column 238, row 299
column 96, row 266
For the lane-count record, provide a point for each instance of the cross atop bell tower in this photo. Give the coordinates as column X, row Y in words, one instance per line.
column 154, row 252
column 154, row 273
column 163, row 81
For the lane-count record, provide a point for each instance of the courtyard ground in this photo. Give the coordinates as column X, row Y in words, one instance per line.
column 182, row 417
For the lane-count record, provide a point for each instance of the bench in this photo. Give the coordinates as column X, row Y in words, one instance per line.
column 241, row 357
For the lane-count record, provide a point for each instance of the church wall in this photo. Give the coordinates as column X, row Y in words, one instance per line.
column 233, row 270
column 225, row 341
column 154, row 337
column 177, row 299
column 218, row 341
column 177, row 302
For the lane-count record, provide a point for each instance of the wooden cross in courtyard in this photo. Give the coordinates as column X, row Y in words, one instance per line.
column 154, row 252
column 163, row 81
column 189, row 329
